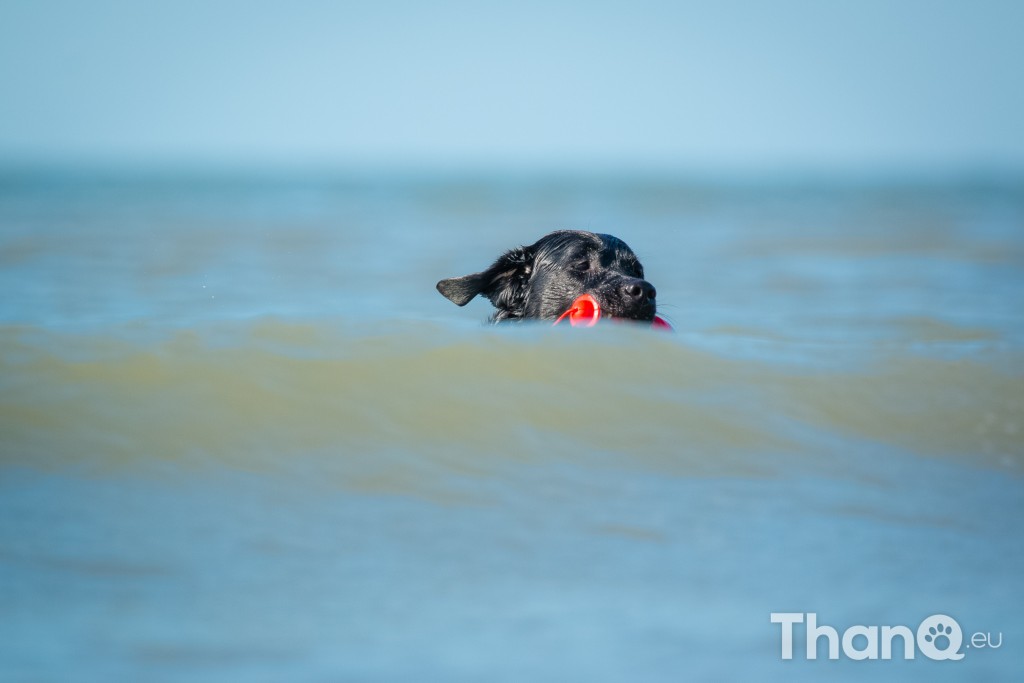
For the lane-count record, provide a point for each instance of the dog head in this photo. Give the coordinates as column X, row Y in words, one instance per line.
column 541, row 281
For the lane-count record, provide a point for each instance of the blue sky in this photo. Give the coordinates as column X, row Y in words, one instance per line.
column 730, row 85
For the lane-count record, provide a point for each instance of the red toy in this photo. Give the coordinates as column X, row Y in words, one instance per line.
column 585, row 312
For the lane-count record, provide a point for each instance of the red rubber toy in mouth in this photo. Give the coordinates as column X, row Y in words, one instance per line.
column 585, row 312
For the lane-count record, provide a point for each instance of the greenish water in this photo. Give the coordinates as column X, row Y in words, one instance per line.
column 243, row 438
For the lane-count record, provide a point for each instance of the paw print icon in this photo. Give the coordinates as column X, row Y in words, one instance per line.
column 940, row 637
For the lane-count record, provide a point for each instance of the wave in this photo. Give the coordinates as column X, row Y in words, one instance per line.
column 401, row 408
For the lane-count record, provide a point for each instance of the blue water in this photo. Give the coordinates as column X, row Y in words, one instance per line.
column 242, row 438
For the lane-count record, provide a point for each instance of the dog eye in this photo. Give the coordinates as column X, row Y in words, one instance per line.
column 582, row 266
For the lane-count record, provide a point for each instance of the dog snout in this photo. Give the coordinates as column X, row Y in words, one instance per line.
column 638, row 291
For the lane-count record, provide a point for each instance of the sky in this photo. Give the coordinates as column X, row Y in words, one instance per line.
column 727, row 85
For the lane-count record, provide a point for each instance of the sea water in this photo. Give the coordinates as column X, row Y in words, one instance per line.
column 242, row 438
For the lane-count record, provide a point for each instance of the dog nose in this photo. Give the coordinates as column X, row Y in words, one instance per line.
column 639, row 289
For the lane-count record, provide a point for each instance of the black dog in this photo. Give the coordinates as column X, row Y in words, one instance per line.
column 542, row 281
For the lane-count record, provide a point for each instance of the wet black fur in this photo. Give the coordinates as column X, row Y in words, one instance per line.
column 542, row 280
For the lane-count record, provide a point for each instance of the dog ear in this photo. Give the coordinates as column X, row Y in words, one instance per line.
column 504, row 283
column 461, row 290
